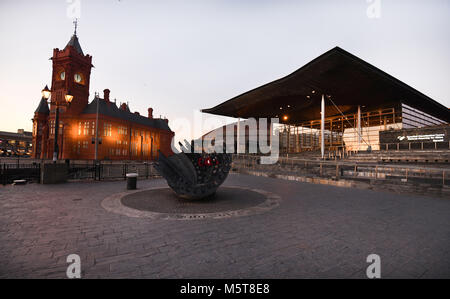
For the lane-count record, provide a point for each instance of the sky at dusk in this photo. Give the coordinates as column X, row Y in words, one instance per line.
column 181, row 56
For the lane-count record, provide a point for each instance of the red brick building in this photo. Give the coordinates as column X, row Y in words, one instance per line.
column 122, row 135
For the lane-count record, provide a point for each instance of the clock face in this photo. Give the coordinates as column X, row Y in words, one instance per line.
column 77, row 78
column 62, row 75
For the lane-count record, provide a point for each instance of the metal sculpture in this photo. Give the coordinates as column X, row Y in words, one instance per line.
column 194, row 175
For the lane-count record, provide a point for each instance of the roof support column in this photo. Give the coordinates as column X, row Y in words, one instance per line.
column 322, row 127
column 238, row 135
column 359, row 127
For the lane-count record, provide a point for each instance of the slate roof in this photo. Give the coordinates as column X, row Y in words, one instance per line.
column 110, row 109
column 43, row 107
column 75, row 43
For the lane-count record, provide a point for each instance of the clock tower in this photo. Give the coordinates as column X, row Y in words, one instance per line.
column 73, row 128
column 71, row 75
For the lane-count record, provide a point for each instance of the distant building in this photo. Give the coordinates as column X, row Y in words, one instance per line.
column 122, row 135
column 16, row 144
column 338, row 101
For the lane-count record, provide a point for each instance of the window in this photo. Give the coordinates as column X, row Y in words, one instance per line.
column 76, row 147
column 35, row 128
column 79, row 128
column 413, row 118
column 52, row 127
column 134, row 148
column 107, row 129
column 122, row 130
column 154, row 146
column 145, row 149
column 93, row 128
column 86, row 128
column 85, row 144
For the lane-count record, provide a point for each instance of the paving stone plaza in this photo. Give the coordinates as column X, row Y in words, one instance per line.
column 310, row 231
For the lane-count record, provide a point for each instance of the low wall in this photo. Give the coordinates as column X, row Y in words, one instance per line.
column 54, row 173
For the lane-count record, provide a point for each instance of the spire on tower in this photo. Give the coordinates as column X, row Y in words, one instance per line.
column 75, row 23
column 74, row 40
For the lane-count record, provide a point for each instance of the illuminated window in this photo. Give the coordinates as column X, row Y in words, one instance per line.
column 122, row 130
column 107, row 129
column 52, row 127
column 93, row 128
column 79, row 128
column 86, row 128
column 85, row 144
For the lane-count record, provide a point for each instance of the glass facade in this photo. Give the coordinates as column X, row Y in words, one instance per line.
column 413, row 118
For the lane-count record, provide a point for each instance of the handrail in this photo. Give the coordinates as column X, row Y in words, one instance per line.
column 345, row 163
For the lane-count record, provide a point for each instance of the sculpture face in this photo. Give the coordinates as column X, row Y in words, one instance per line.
column 194, row 176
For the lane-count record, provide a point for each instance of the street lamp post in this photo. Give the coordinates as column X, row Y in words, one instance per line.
column 68, row 97
column 55, row 141
column 96, row 131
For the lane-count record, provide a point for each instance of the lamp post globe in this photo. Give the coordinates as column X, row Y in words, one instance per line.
column 46, row 92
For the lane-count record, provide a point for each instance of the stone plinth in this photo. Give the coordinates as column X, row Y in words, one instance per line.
column 53, row 173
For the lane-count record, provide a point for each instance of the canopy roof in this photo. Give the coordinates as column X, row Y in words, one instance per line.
column 345, row 79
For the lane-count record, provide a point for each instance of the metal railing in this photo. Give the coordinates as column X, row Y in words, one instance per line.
column 78, row 170
column 343, row 151
column 15, row 171
column 345, row 170
column 412, row 146
column 105, row 170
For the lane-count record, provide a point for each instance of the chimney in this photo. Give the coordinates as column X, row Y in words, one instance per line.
column 106, row 95
column 150, row 112
column 166, row 120
column 123, row 106
column 137, row 113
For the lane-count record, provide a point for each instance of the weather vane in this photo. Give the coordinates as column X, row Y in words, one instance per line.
column 75, row 23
